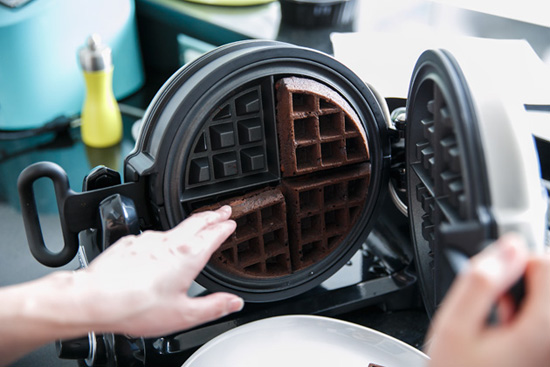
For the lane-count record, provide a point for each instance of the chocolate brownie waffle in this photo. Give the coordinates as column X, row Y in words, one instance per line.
column 285, row 229
column 259, row 245
column 321, row 211
column 317, row 128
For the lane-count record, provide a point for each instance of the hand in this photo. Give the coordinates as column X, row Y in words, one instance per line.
column 460, row 334
column 139, row 285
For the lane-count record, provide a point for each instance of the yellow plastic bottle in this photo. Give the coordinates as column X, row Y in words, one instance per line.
column 101, row 122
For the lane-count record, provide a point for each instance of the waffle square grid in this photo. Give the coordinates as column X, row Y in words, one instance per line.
column 232, row 144
column 259, row 246
column 321, row 210
column 317, row 128
column 441, row 177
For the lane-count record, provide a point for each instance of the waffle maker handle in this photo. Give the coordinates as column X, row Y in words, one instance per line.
column 30, row 213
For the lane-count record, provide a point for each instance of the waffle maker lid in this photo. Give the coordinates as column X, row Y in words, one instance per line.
column 472, row 169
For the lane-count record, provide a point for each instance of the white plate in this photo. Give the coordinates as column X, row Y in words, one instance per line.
column 298, row 341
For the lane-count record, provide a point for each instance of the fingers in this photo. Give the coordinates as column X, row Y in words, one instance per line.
column 209, row 230
column 200, row 221
column 205, row 241
column 506, row 309
column 212, row 237
column 537, row 277
column 211, row 307
column 489, row 274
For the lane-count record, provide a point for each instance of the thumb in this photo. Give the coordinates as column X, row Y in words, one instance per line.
column 477, row 288
column 211, row 307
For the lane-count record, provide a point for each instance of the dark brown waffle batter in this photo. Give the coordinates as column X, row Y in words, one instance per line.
column 325, row 178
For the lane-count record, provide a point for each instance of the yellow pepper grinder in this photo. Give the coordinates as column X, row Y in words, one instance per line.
column 101, row 122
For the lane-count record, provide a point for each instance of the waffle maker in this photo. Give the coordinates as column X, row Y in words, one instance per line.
column 302, row 149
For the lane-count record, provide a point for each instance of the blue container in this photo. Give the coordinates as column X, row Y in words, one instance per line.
column 40, row 77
